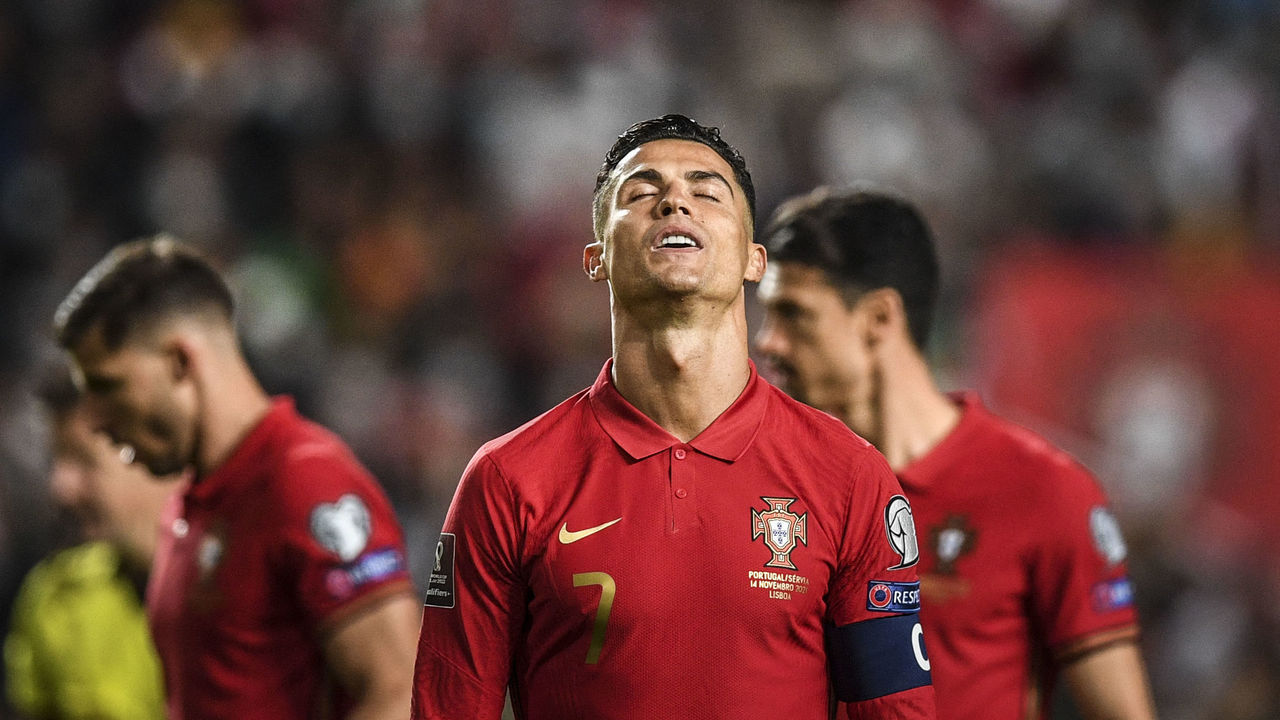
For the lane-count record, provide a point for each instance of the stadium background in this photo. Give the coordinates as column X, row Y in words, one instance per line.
column 399, row 191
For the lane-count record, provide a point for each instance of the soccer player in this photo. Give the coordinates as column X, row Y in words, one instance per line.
column 681, row 539
column 1022, row 564
column 279, row 588
column 78, row 644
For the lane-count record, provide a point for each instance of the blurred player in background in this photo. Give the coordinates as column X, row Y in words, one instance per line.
column 1022, row 564
column 680, row 540
column 279, row 589
column 78, row 646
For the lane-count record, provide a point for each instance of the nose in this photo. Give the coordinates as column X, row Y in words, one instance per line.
column 769, row 341
column 674, row 201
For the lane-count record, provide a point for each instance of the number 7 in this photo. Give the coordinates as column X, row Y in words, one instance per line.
column 607, row 590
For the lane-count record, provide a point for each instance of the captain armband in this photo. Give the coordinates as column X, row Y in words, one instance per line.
column 879, row 657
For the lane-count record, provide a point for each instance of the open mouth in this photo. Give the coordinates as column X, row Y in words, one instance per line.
column 676, row 240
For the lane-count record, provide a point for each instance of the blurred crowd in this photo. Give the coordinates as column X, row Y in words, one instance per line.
column 399, row 191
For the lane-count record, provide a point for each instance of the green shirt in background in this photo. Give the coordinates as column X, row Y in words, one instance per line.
column 78, row 646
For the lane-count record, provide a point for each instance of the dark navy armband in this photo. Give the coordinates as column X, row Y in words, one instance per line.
column 879, row 657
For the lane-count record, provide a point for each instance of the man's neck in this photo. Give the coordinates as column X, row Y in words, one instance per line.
column 233, row 405
column 682, row 377
column 913, row 415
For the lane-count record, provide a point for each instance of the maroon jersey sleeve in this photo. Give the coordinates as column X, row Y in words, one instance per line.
column 1081, row 594
column 341, row 547
column 875, row 644
column 475, row 603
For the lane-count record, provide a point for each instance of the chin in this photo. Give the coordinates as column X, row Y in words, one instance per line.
column 678, row 285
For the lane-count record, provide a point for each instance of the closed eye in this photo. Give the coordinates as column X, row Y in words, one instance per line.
column 99, row 385
column 787, row 311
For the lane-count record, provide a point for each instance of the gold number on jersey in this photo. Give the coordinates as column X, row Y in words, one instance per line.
column 607, row 589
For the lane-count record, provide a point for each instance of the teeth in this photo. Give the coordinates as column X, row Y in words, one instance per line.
column 678, row 241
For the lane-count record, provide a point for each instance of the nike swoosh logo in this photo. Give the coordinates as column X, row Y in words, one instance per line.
column 567, row 537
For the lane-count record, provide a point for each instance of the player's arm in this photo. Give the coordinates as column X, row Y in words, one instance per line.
column 24, row 648
column 880, row 669
column 475, row 603
column 1110, row 683
column 878, row 661
column 342, row 556
column 1083, row 599
column 371, row 655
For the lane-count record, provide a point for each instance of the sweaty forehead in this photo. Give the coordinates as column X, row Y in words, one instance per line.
column 91, row 349
column 797, row 275
column 674, row 155
column 794, row 280
column 91, row 356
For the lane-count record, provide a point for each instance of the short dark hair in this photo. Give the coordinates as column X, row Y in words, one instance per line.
column 137, row 284
column 670, row 127
column 863, row 240
column 56, row 389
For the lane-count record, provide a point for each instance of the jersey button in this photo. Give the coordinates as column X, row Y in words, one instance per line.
column 680, row 456
column 682, row 493
column 180, row 527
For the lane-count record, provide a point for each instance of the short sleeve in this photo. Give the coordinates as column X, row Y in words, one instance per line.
column 879, row 546
column 475, row 603
column 342, row 548
column 1081, row 592
column 875, row 644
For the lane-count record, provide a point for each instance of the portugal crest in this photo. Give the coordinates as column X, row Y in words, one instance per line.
column 781, row 529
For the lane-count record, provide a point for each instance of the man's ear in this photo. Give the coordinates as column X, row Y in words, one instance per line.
column 757, row 261
column 593, row 261
column 884, row 314
column 180, row 353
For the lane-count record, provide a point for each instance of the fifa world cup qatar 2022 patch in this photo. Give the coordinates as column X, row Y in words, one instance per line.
column 440, row 584
column 901, row 528
column 782, row 530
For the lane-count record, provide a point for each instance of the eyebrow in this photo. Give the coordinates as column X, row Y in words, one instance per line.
column 653, row 176
column 709, row 175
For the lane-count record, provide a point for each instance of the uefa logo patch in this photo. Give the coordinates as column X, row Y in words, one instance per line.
column 896, row 597
column 879, row 596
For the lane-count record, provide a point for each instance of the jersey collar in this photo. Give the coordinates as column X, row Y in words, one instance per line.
column 727, row 438
column 951, row 448
column 245, row 462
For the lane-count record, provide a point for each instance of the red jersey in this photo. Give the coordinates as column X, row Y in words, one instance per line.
column 257, row 561
column 1021, row 566
column 606, row 569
